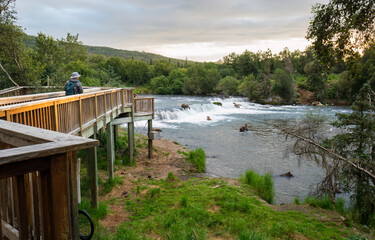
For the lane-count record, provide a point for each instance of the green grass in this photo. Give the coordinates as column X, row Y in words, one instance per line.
column 211, row 207
column 110, row 184
column 322, row 202
column 263, row 185
column 96, row 215
column 198, row 158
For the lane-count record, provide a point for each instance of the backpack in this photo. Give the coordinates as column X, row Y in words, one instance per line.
column 70, row 88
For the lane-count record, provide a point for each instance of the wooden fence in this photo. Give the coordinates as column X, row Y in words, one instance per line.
column 144, row 106
column 38, row 188
column 71, row 114
column 5, row 101
column 25, row 90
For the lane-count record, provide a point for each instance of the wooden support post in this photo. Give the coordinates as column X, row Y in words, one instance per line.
column 61, row 212
column 110, row 150
column 149, row 140
column 116, row 133
column 1, row 225
column 23, row 222
column 131, row 141
column 92, row 173
column 74, row 223
column 56, row 116
column 47, row 216
column 80, row 116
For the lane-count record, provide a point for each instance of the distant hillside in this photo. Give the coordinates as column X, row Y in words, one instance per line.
column 112, row 52
column 142, row 56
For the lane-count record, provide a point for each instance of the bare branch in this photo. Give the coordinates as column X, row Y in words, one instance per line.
column 1, row 66
column 329, row 152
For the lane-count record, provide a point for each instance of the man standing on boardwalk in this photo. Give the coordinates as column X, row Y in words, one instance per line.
column 73, row 85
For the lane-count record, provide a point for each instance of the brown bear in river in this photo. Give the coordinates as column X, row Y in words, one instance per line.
column 184, row 106
column 244, row 128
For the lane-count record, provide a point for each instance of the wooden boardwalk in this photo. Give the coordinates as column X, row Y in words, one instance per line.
column 39, row 155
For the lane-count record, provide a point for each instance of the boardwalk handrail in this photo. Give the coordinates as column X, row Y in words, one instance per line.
column 23, row 90
column 144, row 106
column 38, row 187
column 74, row 114
column 4, row 101
column 69, row 114
column 13, row 91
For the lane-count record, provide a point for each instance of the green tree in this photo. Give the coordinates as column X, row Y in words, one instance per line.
column 358, row 145
column 348, row 159
column 177, row 79
column 117, row 65
column 284, row 86
column 250, row 88
column 341, row 28
column 316, row 79
column 48, row 54
column 228, row 86
column 161, row 85
column 73, row 49
column 202, row 79
column 15, row 63
column 161, row 68
column 137, row 72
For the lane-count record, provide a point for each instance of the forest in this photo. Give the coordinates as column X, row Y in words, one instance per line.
column 296, row 77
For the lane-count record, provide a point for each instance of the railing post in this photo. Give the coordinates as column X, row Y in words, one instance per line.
column 117, row 104
column 149, row 139
column 92, row 173
column 105, row 111
column 56, row 120
column 96, row 116
column 80, row 115
column 73, row 173
column 7, row 115
column 111, row 117
column 22, row 208
column 131, row 140
column 1, row 200
column 115, row 128
column 123, row 99
column 153, row 108
column 110, row 151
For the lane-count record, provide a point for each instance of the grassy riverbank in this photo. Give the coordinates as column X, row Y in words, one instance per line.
column 163, row 199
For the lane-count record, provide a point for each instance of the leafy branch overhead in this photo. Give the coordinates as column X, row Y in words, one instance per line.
column 342, row 28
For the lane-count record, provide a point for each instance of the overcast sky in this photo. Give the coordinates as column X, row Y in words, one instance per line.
column 201, row 30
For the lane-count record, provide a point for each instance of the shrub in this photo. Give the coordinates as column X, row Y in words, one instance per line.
column 198, row 158
column 263, row 185
column 340, row 205
column 171, row 177
column 228, row 85
column 323, row 202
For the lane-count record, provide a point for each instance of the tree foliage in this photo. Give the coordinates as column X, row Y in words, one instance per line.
column 341, row 28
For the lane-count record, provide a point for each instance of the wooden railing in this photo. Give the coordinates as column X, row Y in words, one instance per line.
column 144, row 106
column 5, row 101
column 38, row 183
column 24, row 90
column 13, row 91
column 70, row 114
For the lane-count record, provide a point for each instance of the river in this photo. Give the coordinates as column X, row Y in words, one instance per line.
column 229, row 152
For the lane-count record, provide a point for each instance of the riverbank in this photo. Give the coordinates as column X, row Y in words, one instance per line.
column 162, row 198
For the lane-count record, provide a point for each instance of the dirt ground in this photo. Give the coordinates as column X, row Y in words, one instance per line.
column 165, row 159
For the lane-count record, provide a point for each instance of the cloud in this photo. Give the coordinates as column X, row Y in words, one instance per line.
column 165, row 25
